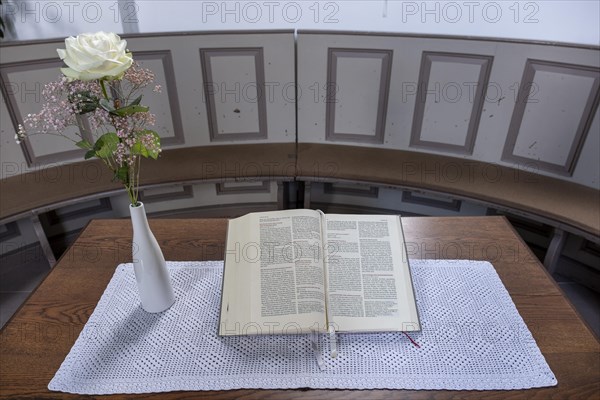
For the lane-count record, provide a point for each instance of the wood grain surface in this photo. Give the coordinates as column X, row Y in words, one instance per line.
column 47, row 186
column 516, row 188
column 37, row 339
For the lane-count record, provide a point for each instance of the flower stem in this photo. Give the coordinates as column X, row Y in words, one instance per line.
column 132, row 197
column 103, row 89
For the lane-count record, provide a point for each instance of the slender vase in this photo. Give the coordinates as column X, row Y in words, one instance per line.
column 151, row 274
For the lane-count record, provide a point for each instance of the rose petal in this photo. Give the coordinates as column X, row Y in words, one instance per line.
column 70, row 73
column 78, row 59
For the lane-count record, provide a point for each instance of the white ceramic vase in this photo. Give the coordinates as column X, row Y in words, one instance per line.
column 151, row 273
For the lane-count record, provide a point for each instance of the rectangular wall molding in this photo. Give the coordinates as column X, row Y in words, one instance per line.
column 76, row 211
column 351, row 190
column 455, row 114
column 243, row 99
column 166, row 59
column 181, row 192
column 227, row 188
column 9, row 231
column 10, row 89
column 591, row 248
column 414, row 198
column 349, row 99
column 577, row 90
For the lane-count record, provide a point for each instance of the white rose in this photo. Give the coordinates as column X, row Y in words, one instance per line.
column 92, row 56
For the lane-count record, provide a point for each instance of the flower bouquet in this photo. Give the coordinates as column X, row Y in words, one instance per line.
column 100, row 94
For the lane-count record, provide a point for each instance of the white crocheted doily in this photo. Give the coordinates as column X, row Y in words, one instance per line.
column 472, row 338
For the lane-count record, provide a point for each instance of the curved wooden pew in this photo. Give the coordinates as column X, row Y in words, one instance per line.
column 570, row 206
column 56, row 185
column 565, row 205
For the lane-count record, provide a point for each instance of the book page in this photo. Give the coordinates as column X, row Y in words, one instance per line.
column 274, row 276
column 369, row 287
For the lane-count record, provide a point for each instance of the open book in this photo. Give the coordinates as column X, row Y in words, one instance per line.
column 301, row 271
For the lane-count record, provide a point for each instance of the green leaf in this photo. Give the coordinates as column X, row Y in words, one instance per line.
column 106, row 145
column 136, row 101
column 87, row 108
column 84, row 144
column 106, row 105
column 155, row 152
column 99, row 143
column 153, row 133
column 87, row 96
column 89, row 154
column 85, row 100
column 139, row 149
column 122, row 174
column 128, row 110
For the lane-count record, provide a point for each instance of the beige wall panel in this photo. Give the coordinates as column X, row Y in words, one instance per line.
column 236, row 106
column 354, row 98
column 447, row 109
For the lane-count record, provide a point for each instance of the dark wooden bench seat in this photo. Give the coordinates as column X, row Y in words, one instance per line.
column 570, row 205
column 48, row 187
column 565, row 205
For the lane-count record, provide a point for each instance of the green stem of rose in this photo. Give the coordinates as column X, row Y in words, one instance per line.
column 130, row 192
column 103, row 89
column 130, row 186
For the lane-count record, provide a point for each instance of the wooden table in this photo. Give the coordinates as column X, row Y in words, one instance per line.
column 37, row 339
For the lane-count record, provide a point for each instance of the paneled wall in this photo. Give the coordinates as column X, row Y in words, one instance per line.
column 216, row 89
column 526, row 105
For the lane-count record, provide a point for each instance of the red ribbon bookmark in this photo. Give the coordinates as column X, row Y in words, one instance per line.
column 411, row 340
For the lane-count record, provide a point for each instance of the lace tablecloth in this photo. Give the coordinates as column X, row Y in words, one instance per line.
column 472, row 338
